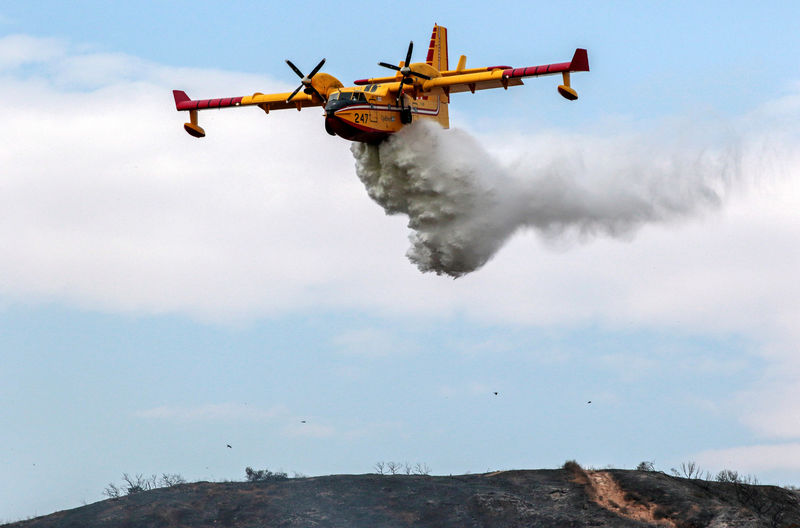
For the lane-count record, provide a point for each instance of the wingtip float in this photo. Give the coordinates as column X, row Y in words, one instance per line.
column 377, row 107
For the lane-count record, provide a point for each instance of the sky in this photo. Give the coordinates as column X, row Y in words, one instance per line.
column 162, row 297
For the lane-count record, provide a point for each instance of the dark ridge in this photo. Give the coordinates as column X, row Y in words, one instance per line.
column 562, row 498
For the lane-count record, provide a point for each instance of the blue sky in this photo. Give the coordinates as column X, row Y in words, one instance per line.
column 161, row 297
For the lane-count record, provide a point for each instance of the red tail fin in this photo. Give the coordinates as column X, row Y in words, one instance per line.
column 437, row 51
column 580, row 61
column 180, row 97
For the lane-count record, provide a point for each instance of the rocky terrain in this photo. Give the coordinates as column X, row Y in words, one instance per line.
column 559, row 498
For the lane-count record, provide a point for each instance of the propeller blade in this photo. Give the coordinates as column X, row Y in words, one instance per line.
column 316, row 92
column 420, row 75
column 408, row 55
column 294, row 68
column 390, row 66
column 316, row 68
column 294, row 93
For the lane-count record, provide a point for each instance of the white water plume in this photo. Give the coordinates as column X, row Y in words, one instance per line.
column 463, row 203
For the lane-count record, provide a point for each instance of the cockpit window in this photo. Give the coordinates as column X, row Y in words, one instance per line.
column 349, row 96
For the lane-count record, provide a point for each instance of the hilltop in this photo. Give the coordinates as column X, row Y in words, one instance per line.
column 558, row 498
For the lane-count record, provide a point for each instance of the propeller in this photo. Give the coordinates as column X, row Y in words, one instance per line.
column 405, row 71
column 305, row 80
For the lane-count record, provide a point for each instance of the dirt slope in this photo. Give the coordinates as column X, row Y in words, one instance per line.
column 508, row 499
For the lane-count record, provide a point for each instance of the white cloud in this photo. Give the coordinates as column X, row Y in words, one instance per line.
column 755, row 460
column 771, row 406
column 18, row 50
column 108, row 203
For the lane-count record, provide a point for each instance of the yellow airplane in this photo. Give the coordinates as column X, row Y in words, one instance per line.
column 375, row 108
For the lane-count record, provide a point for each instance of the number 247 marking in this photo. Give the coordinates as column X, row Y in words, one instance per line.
column 361, row 118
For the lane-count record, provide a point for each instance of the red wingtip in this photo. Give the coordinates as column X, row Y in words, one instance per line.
column 180, row 97
column 580, row 61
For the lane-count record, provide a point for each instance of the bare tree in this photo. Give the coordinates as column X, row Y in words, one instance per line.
column 647, row 465
column 139, row 483
column 728, row 475
column 688, row 470
column 404, row 468
column 112, row 491
column 171, row 479
column 256, row 475
column 422, row 469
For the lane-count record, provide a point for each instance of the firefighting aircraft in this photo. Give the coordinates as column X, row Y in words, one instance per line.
column 375, row 108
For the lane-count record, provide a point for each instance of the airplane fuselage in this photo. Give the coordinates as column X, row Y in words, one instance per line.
column 370, row 115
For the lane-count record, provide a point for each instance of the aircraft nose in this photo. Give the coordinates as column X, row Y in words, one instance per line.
column 336, row 104
column 330, row 124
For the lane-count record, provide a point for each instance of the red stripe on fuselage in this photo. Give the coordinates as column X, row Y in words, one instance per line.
column 353, row 133
column 390, row 108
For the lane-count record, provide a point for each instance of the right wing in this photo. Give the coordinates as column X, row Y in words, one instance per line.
column 503, row 77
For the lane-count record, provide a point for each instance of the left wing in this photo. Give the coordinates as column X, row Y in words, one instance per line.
column 503, row 77
column 266, row 102
column 269, row 101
